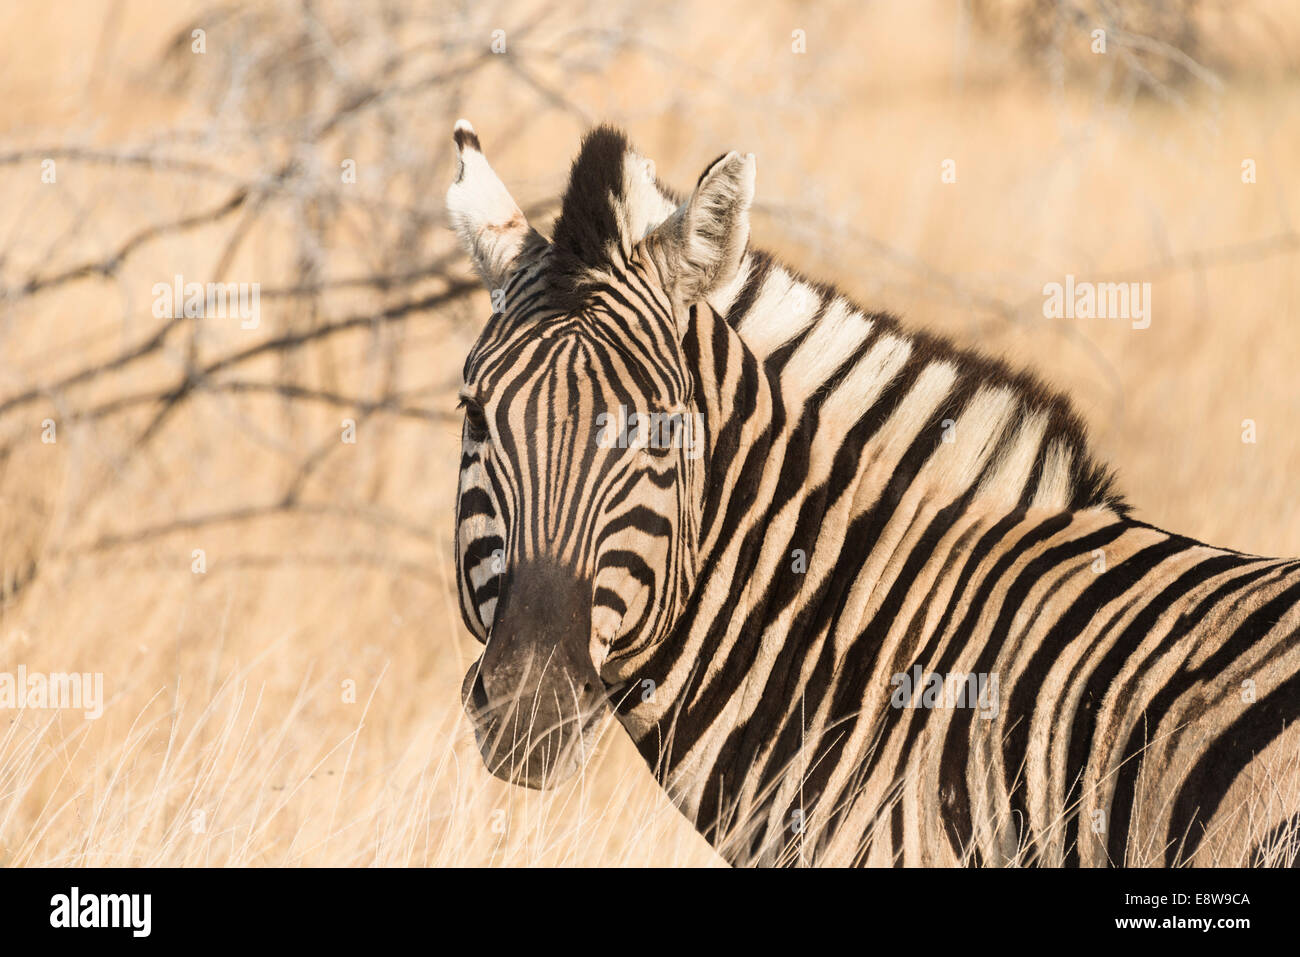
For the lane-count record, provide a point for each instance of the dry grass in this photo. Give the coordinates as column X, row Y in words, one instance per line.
column 227, row 737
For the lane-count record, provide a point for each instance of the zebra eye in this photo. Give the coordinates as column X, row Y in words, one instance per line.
column 666, row 436
column 476, row 426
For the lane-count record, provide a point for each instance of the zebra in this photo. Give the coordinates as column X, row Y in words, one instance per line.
column 870, row 599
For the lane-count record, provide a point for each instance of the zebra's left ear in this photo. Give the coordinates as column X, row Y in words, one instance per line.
column 490, row 224
column 701, row 245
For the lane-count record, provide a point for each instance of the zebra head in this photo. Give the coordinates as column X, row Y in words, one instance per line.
column 585, row 438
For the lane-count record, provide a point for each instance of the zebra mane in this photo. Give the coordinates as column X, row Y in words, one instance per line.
column 588, row 221
column 614, row 199
column 774, row 308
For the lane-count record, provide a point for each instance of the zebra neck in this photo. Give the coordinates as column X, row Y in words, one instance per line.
column 843, row 454
column 775, row 724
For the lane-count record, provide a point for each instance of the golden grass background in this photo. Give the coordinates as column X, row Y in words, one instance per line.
column 227, row 738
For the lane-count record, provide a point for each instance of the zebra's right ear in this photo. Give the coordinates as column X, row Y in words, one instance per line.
column 702, row 244
column 490, row 224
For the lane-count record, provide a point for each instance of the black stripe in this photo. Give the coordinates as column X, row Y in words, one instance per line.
column 760, row 266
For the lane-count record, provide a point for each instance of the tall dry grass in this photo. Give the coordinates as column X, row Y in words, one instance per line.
column 297, row 702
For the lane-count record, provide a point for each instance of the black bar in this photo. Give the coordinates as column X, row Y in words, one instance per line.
column 584, row 908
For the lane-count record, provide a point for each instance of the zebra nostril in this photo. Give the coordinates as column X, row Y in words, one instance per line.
column 472, row 691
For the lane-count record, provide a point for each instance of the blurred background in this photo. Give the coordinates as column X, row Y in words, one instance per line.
column 248, row 530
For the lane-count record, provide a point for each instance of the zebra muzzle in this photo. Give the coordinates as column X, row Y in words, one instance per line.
column 534, row 697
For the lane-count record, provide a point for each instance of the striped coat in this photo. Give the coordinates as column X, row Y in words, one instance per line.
column 870, row 600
